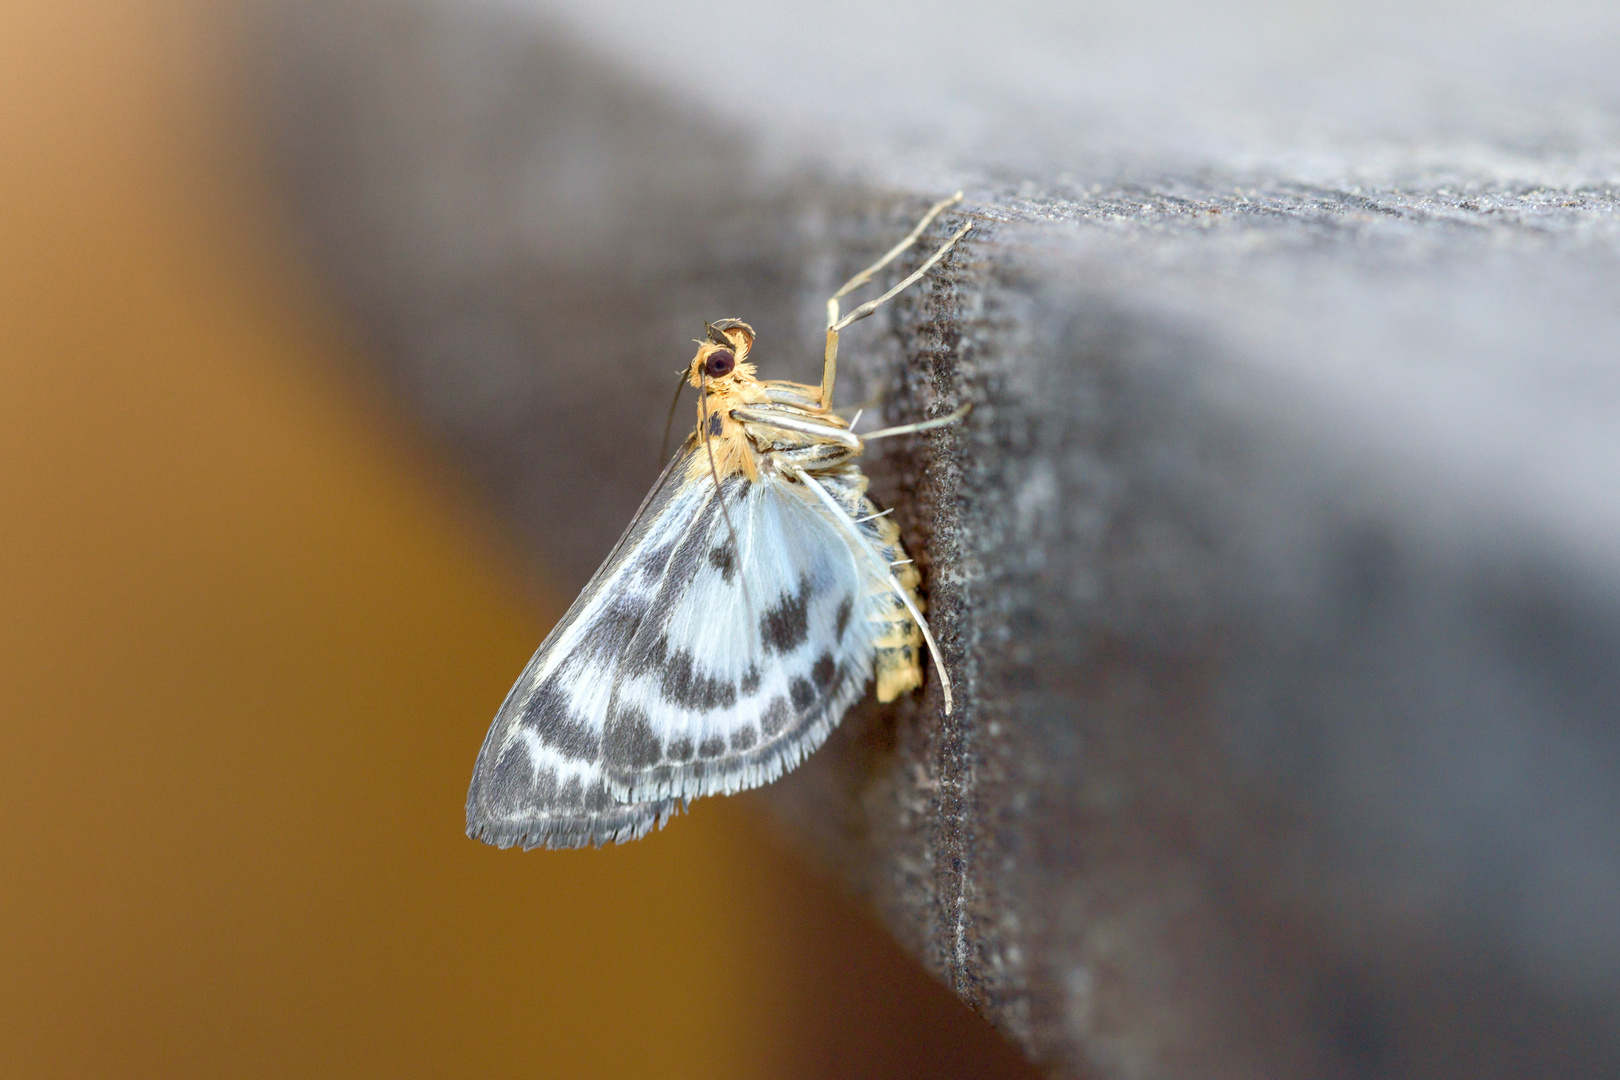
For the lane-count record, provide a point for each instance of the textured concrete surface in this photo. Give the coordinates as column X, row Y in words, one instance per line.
column 1278, row 562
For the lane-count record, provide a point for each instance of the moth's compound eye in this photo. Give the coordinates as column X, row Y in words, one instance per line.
column 720, row 362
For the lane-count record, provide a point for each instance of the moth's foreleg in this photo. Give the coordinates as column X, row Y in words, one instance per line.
column 889, row 256
column 829, row 368
column 809, row 427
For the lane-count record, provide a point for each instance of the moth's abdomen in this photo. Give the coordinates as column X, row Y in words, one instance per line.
column 897, row 659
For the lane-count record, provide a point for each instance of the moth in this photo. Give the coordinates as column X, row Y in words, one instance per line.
column 755, row 594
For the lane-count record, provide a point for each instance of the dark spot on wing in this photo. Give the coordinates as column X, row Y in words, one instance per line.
column 683, row 564
column 652, row 563
column 744, row 737
column 823, row 670
column 628, row 741
column 750, row 680
column 776, row 717
column 679, row 750
column 512, row 774
column 569, row 737
column 546, row 714
column 572, row 795
column 803, row 693
column 845, row 606
column 724, row 561
column 612, row 630
column 785, row 625
column 675, row 561
column 684, row 685
column 645, row 653
column 712, row 747
column 515, row 783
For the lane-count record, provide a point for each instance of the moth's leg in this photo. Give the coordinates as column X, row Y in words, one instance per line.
column 786, row 393
column 817, row 456
column 799, row 424
column 889, row 256
column 922, row 425
column 829, row 367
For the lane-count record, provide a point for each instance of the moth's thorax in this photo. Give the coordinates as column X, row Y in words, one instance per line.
column 727, row 387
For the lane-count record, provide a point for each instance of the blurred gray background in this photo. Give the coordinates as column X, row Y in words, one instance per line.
column 1279, row 562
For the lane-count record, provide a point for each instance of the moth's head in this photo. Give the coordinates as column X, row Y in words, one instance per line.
column 721, row 361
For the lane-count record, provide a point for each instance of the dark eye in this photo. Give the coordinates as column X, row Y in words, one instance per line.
column 720, row 362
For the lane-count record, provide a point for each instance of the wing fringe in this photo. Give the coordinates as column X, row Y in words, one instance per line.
column 620, row 826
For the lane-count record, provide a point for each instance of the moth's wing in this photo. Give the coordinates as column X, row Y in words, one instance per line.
column 538, row 781
column 751, row 650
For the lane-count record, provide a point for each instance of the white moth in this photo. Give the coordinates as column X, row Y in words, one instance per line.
column 754, row 595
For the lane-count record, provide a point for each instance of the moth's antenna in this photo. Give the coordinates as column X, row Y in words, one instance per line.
column 720, row 497
column 669, row 424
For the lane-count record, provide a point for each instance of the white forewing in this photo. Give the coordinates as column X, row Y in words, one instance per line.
column 696, row 661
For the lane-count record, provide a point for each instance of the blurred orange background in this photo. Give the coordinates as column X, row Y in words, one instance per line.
column 252, row 636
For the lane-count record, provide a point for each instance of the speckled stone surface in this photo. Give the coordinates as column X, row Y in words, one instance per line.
column 1278, row 564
